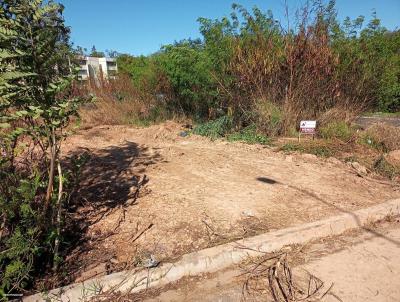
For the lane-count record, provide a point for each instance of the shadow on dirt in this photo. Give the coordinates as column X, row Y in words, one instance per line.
column 110, row 180
column 267, row 180
column 111, row 175
column 319, row 199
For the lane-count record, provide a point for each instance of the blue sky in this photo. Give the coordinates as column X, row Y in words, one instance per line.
column 142, row 26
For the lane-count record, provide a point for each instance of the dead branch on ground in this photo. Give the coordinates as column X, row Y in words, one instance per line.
column 272, row 275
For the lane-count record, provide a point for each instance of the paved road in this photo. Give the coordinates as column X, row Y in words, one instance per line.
column 366, row 268
column 366, row 121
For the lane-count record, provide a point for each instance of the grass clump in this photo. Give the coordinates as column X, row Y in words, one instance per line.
column 350, row 159
column 292, row 147
column 320, row 149
column 216, row 128
column 249, row 135
column 340, row 130
column 386, row 169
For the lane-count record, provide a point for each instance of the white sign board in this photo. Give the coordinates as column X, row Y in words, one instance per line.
column 308, row 127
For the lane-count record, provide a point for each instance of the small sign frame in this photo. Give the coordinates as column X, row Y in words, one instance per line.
column 308, row 128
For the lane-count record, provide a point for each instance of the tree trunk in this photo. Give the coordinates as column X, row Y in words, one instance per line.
column 58, row 218
column 51, row 171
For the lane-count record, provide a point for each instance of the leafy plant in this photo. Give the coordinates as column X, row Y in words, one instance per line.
column 36, row 105
column 188, row 67
column 214, row 129
column 249, row 135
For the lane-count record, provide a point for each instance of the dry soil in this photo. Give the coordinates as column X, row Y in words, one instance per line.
column 197, row 193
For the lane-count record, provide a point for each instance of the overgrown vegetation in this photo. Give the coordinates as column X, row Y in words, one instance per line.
column 36, row 104
column 261, row 72
column 222, row 127
column 119, row 102
column 340, row 130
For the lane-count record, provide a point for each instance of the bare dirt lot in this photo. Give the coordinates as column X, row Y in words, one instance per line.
column 196, row 193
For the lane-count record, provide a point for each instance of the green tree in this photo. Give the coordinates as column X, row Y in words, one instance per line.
column 36, row 105
column 141, row 69
column 369, row 62
column 188, row 68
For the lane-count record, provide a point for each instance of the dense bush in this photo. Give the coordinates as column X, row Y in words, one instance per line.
column 36, row 104
column 255, row 69
column 187, row 67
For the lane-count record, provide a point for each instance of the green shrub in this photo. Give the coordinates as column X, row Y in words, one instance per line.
column 316, row 148
column 21, row 245
column 351, row 158
column 188, row 69
column 37, row 102
column 321, row 151
column 215, row 129
column 249, row 135
column 340, row 130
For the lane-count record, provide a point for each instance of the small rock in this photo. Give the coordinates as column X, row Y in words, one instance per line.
column 248, row 213
column 114, row 261
column 183, row 134
column 360, row 169
column 150, row 262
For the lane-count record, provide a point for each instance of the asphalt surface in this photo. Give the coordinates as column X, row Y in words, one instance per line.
column 366, row 121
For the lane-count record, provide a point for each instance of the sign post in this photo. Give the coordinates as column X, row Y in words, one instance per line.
column 307, row 127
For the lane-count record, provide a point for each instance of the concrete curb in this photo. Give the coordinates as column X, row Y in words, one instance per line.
column 219, row 257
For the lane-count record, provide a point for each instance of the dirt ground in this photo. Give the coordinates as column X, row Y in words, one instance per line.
column 196, row 193
column 357, row 266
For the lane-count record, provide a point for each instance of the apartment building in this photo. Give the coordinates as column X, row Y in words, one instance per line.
column 96, row 68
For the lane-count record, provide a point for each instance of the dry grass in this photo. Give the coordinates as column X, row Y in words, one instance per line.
column 272, row 275
column 109, row 112
column 383, row 136
column 281, row 79
column 116, row 102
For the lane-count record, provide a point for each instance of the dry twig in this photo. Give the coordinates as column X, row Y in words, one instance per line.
column 273, row 275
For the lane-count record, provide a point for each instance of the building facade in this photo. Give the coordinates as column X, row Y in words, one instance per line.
column 97, row 68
